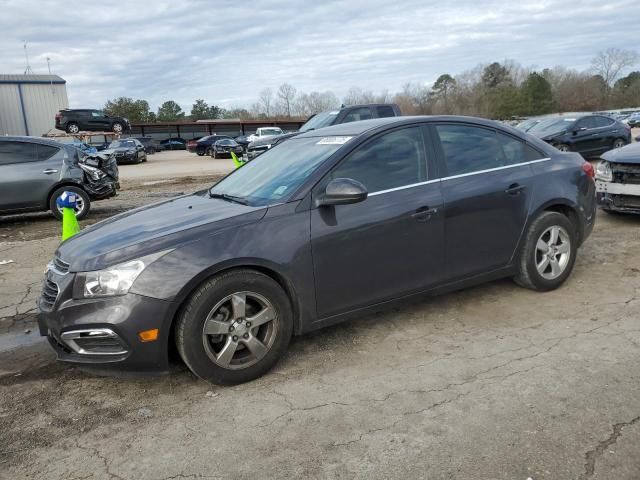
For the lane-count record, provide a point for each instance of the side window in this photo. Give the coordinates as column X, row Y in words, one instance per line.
column 392, row 160
column 603, row 122
column 17, row 152
column 45, row 152
column 586, row 122
column 385, row 111
column 516, row 151
column 469, row 149
column 97, row 114
column 358, row 114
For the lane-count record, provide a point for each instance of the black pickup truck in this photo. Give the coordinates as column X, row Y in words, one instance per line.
column 344, row 114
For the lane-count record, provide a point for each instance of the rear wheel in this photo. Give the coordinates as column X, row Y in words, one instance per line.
column 234, row 327
column 72, row 127
column 117, row 127
column 618, row 143
column 83, row 204
column 200, row 152
column 548, row 253
column 563, row 147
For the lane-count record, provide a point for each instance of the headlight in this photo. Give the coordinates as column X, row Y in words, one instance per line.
column 93, row 172
column 116, row 280
column 604, row 172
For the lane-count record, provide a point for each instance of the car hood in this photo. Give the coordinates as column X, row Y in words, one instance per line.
column 269, row 140
column 628, row 154
column 118, row 150
column 153, row 228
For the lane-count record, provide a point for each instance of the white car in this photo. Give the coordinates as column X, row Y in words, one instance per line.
column 264, row 132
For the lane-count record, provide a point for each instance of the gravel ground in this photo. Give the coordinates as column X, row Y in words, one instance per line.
column 493, row 382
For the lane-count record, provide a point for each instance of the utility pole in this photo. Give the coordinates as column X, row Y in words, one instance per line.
column 27, row 70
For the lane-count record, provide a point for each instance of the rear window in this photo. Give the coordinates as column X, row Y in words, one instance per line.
column 385, row 111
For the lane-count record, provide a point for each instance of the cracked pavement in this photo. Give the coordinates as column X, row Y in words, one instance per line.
column 493, row 382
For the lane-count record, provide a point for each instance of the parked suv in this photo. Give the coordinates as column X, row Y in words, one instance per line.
column 324, row 227
column 352, row 113
column 76, row 120
column 34, row 172
column 589, row 135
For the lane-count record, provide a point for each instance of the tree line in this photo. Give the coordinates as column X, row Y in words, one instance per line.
column 499, row 90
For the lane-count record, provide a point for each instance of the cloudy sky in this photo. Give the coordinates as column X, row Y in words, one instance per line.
column 227, row 51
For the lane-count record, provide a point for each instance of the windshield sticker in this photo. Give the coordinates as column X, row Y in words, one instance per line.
column 334, row 140
column 280, row 190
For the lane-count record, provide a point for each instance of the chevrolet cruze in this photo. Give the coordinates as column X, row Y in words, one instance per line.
column 331, row 224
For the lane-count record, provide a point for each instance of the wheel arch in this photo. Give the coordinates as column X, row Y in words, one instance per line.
column 267, row 268
column 565, row 207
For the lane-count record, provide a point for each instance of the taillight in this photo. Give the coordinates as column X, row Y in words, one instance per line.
column 58, row 116
column 588, row 169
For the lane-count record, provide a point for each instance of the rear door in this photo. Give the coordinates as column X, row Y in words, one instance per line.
column 99, row 121
column 391, row 243
column 585, row 137
column 606, row 131
column 27, row 173
column 486, row 190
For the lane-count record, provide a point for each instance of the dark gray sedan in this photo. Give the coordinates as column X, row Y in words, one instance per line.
column 330, row 224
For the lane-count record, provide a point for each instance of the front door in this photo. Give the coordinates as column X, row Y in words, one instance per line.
column 99, row 121
column 391, row 243
column 486, row 197
column 586, row 136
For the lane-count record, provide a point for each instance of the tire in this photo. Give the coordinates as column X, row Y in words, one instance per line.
column 72, row 127
column 563, row 147
column 117, row 127
column 80, row 213
column 206, row 353
column 200, row 152
column 531, row 256
column 618, row 143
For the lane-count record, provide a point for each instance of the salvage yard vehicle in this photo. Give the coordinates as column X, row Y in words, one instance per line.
column 34, row 172
column 333, row 223
column 150, row 144
column 224, row 147
column 82, row 119
column 127, row 150
column 265, row 132
column 618, row 180
column 344, row 114
column 203, row 146
column 176, row 143
column 589, row 135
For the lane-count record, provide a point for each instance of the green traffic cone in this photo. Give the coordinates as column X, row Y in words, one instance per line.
column 236, row 161
column 70, row 225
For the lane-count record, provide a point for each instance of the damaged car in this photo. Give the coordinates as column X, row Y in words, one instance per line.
column 34, row 172
column 618, row 180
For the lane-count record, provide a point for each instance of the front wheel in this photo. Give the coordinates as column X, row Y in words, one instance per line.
column 548, row 254
column 117, row 127
column 234, row 327
column 563, row 147
column 83, row 203
column 200, row 152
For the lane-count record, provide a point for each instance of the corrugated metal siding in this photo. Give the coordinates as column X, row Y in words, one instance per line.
column 41, row 103
column 11, row 121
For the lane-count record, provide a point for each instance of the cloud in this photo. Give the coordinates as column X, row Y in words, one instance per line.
column 227, row 51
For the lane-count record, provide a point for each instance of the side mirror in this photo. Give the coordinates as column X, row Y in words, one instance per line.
column 342, row 191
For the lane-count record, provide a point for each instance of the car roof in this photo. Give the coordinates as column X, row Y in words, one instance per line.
column 39, row 140
column 362, row 126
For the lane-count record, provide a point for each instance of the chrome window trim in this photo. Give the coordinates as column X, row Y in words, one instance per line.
column 380, row 192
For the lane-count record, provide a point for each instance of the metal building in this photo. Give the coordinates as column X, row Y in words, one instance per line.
column 29, row 103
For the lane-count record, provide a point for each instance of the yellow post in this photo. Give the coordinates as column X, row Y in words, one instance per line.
column 236, row 161
column 70, row 225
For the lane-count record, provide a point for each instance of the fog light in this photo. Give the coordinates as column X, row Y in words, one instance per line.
column 149, row 335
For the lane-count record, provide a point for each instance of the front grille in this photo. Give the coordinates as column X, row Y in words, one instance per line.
column 60, row 266
column 49, row 293
column 626, row 173
column 629, row 201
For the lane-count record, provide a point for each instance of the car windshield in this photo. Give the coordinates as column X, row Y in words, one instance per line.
column 323, row 119
column 552, row 125
column 271, row 131
column 276, row 174
column 122, row 144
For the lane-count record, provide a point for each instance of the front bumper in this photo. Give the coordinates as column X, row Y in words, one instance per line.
column 103, row 333
column 619, row 197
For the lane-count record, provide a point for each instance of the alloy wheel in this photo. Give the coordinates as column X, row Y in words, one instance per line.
column 79, row 208
column 117, row 128
column 73, row 128
column 553, row 252
column 618, row 143
column 240, row 330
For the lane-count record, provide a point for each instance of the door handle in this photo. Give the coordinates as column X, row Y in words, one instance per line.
column 49, row 171
column 423, row 214
column 514, row 189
